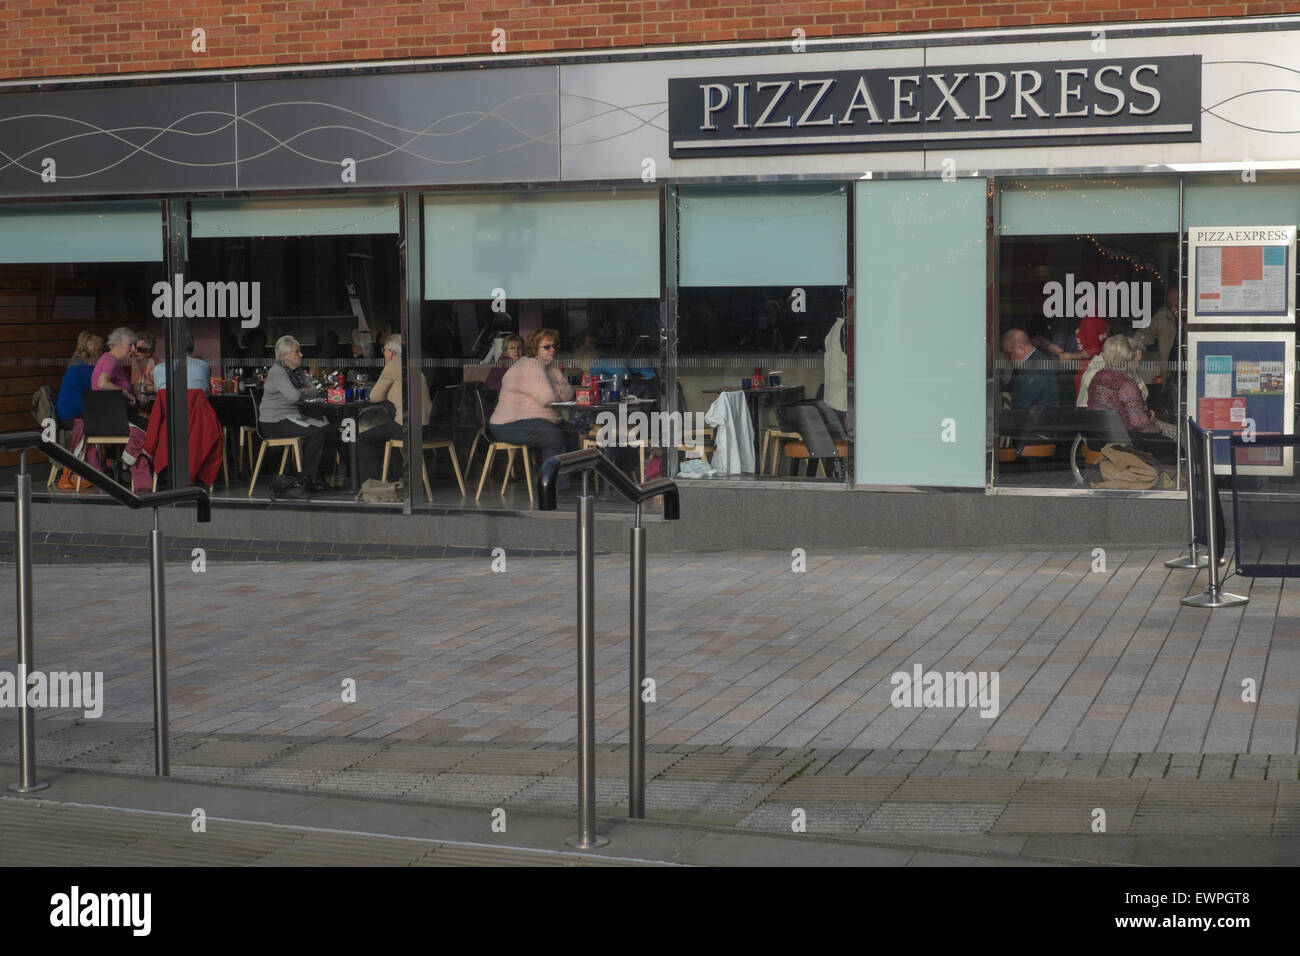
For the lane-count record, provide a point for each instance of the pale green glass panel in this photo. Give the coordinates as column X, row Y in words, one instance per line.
column 1228, row 200
column 559, row 245
column 919, row 334
column 85, row 232
column 764, row 235
column 1064, row 207
column 353, row 216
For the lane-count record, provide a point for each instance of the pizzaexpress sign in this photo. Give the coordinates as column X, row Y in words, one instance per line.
column 1151, row 99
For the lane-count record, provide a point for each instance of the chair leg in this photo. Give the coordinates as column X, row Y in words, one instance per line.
column 469, row 462
column 297, row 454
column 224, row 472
column 388, row 450
column 510, row 468
column 643, row 464
column 487, row 466
column 428, row 490
column 252, row 482
column 455, row 466
column 762, row 456
column 284, row 459
column 528, row 476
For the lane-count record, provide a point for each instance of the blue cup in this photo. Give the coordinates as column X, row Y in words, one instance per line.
column 774, row 380
column 746, row 383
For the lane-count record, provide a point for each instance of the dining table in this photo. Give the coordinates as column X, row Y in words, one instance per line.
column 762, row 403
column 336, row 413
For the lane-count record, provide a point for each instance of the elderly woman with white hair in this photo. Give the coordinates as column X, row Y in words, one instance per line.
column 370, row 443
column 1114, row 387
column 279, row 416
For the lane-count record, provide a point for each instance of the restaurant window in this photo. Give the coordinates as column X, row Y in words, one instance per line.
column 585, row 263
column 1088, row 336
column 68, row 269
column 762, row 309
column 326, row 271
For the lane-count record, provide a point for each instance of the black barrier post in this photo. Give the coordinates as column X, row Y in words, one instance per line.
column 1193, row 559
column 636, row 673
column 1213, row 596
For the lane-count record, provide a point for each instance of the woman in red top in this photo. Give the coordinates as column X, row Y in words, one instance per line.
column 1090, row 335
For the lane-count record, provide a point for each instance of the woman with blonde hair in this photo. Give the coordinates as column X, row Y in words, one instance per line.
column 1113, row 387
column 77, row 378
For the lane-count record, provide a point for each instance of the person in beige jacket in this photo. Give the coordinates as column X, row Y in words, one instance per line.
column 370, row 443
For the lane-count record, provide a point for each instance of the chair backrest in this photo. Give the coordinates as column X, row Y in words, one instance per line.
column 834, row 424
column 806, row 419
column 104, row 412
column 486, row 404
column 235, row 411
column 43, row 405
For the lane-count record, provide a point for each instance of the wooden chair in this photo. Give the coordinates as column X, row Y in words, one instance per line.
column 429, row 444
column 495, row 446
column 104, row 415
column 286, row 444
column 820, row 434
column 774, row 436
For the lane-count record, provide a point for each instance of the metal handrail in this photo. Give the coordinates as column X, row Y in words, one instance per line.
column 19, row 441
column 587, row 462
column 594, row 460
column 22, row 442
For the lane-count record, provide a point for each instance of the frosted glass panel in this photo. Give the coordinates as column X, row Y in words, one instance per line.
column 764, row 236
column 919, row 337
column 85, row 232
column 364, row 215
column 1227, row 201
column 1056, row 207
column 562, row 245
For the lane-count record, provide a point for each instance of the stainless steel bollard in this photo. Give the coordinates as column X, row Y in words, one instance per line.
column 636, row 670
column 162, row 759
column 26, row 620
column 587, row 837
column 1213, row 596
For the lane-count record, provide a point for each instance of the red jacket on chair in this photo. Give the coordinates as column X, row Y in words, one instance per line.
column 205, row 437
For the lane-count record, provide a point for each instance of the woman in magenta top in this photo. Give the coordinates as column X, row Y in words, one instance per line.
column 1114, row 388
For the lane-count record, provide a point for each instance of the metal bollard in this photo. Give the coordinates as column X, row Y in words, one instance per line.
column 1193, row 559
column 1213, row 596
column 162, row 759
column 26, row 613
column 587, row 837
column 636, row 670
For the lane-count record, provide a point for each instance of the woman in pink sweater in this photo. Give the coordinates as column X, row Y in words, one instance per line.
column 523, row 416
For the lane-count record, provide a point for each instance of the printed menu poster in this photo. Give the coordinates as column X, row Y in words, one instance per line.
column 1236, row 279
column 1240, row 382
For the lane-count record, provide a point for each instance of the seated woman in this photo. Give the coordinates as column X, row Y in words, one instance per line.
column 370, row 443
column 511, row 349
column 77, row 378
column 522, row 416
column 1113, row 387
column 279, row 417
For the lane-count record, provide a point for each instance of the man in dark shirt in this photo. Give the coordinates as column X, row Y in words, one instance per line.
column 1034, row 380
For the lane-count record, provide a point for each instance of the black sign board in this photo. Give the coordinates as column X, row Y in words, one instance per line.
column 1065, row 102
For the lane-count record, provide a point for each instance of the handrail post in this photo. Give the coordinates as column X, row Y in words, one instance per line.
column 162, row 760
column 587, row 837
column 1213, row 596
column 26, row 613
column 636, row 671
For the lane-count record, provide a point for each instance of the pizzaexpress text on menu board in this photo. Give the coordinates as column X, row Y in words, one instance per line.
column 1153, row 99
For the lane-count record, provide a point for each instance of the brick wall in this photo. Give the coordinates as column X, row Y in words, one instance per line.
column 41, row 38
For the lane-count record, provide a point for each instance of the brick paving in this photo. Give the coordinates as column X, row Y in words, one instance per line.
column 773, row 690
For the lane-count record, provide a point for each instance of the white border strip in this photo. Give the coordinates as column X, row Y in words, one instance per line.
column 991, row 134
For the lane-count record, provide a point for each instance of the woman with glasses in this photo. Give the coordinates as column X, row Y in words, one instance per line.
column 523, row 415
column 142, row 366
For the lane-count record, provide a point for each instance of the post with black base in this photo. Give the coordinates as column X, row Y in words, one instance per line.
column 26, row 612
column 1193, row 559
column 1213, row 596
column 587, row 837
column 636, row 674
column 162, row 759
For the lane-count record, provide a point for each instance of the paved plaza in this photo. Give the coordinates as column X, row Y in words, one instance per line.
column 773, row 696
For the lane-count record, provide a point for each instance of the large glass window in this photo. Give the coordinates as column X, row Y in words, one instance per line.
column 1088, row 329
column 763, row 314
column 326, row 271
column 71, row 272
column 585, row 264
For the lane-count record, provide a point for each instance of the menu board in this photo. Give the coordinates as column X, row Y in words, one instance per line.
column 1242, row 273
column 1242, row 379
